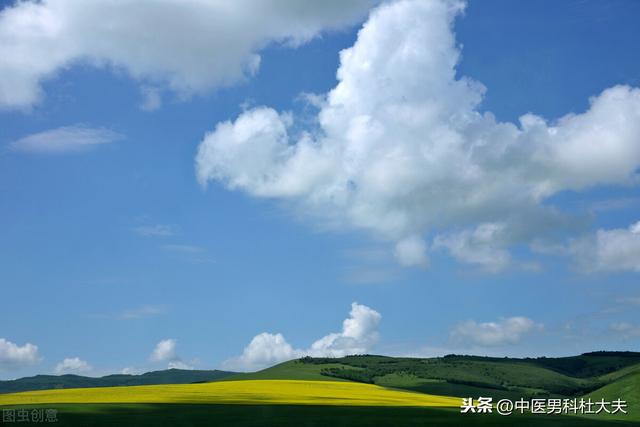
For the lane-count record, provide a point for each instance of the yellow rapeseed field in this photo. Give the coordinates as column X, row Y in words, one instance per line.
column 283, row 392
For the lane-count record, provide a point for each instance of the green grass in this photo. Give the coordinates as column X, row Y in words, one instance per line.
column 177, row 415
column 496, row 377
column 444, row 388
column 626, row 388
column 291, row 370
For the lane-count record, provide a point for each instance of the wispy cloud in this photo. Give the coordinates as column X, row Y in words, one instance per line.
column 190, row 253
column 158, row 230
column 502, row 332
column 625, row 330
column 630, row 299
column 143, row 311
column 185, row 249
column 65, row 139
column 151, row 98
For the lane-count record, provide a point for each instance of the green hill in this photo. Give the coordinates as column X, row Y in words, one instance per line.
column 291, row 370
column 465, row 376
column 626, row 388
column 169, row 376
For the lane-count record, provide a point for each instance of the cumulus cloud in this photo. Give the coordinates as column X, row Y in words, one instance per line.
column 359, row 333
column 505, row 331
column 608, row 250
column 165, row 351
column 189, row 46
column 72, row 365
column 264, row 350
column 65, row 139
column 13, row 356
column 400, row 148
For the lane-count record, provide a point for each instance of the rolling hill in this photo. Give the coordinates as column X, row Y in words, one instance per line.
column 169, row 376
column 474, row 376
column 627, row 388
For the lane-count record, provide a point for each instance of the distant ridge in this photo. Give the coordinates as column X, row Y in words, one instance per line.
column 168, row 376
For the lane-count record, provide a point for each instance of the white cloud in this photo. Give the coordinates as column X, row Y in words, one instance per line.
column 13, row 356
column 264, row 350
column 608, row 250
column 179, row 364
column 190, row 46
column 481, row 246
column 505, row 331
column 158, row 230
column 72, row 365
column 359, row 333
column 165, row 350
column 401, row 149
column 65, row 139
column 412, row 251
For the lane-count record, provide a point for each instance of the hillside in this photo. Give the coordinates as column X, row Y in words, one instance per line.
column 291, row 370
column 467, row 375
column 626, row 388
column 169, row 376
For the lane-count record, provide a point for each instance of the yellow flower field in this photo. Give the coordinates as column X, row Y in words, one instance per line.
column 283, row 392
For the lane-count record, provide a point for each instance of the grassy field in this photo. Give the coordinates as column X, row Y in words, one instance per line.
column 497, row 377
column 291, row 370
column 626, row 388
column 289, row 392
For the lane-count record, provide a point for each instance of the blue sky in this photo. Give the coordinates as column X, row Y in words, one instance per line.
column 119, row 251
